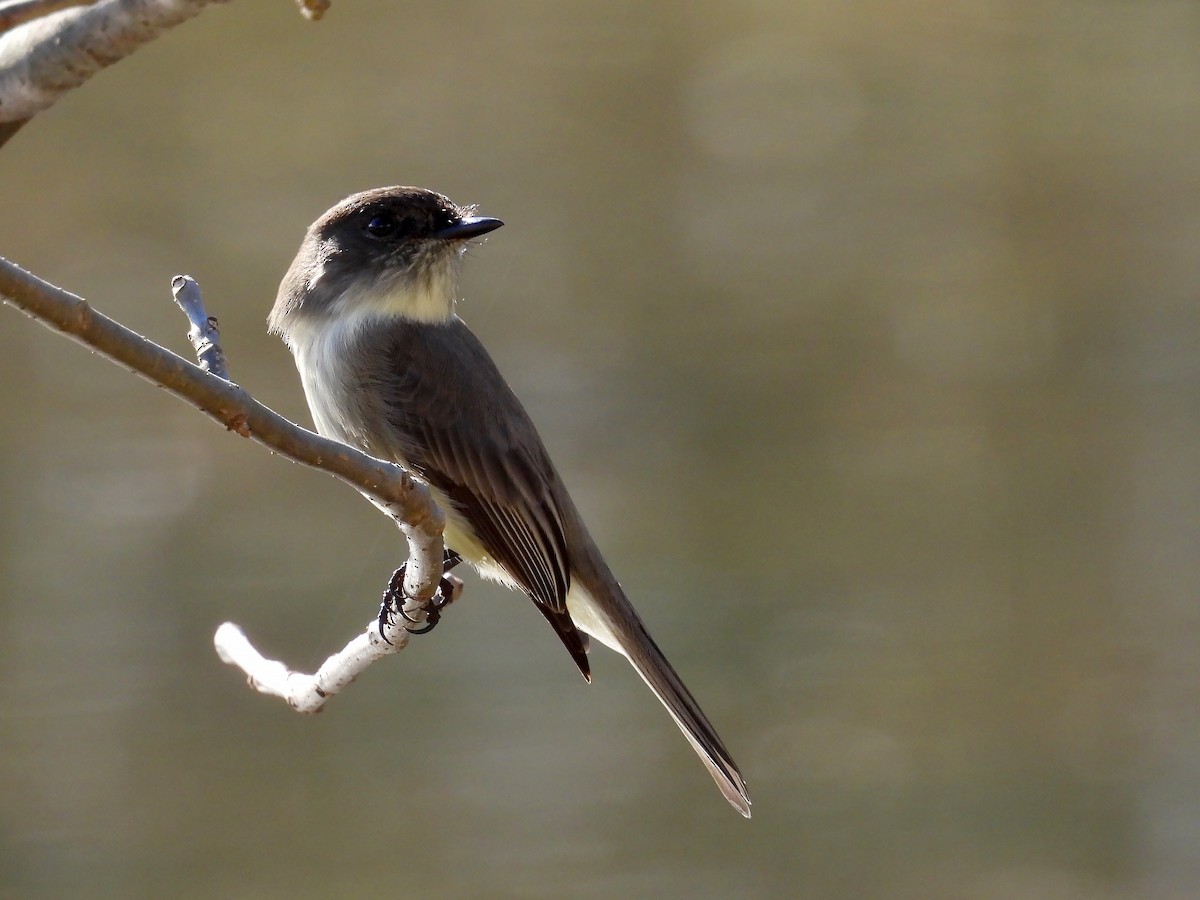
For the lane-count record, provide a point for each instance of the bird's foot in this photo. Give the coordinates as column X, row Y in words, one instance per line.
column 449, row 589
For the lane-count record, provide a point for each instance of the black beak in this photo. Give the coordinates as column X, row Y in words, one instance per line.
column 468, row 227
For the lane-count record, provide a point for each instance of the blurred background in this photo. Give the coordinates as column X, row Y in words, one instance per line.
column 866, row 336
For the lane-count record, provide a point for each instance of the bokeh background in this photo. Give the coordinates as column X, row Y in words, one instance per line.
column 867, row 337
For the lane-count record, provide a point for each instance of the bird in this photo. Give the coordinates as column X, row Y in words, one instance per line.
column 368, row 310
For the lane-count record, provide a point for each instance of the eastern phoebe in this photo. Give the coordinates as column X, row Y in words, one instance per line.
column 367, row 308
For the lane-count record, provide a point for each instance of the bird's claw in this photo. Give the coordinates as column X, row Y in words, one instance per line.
column 393, row 598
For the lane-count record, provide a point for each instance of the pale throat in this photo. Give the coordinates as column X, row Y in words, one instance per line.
column 321, row 343
column 428, row 297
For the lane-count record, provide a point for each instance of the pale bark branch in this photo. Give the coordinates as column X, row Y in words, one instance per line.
column 42, row 60
column 48, row 49
column 205, row 338
column 387, row 485
column 305, row 693
column 18, row 12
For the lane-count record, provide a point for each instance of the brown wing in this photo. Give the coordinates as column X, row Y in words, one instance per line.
column 458, row 424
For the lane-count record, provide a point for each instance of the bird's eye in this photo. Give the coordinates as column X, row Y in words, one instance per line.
column 382, row 225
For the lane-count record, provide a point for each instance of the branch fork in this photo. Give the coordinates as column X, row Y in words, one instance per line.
column 385, row 484
column 47, row 49
column 408, row 592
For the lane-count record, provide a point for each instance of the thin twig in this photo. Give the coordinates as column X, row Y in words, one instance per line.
column 308, row 693
column 205, row 338
column 304, row 693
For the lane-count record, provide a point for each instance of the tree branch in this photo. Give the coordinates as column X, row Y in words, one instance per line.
column 304, row 693
column 49, row 56
column 45, row 52
column 387, row 485
column 18, row 12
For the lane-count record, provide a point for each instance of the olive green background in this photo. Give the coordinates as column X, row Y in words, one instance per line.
column 867, row 337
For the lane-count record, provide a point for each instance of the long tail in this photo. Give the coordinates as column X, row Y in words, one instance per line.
column 621, row 629
column 649, row 662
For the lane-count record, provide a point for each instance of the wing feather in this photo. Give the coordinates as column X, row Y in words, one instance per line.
column 460, row 427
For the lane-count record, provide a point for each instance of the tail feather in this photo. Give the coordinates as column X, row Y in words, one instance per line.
column 650, row 663
column 617, row 625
